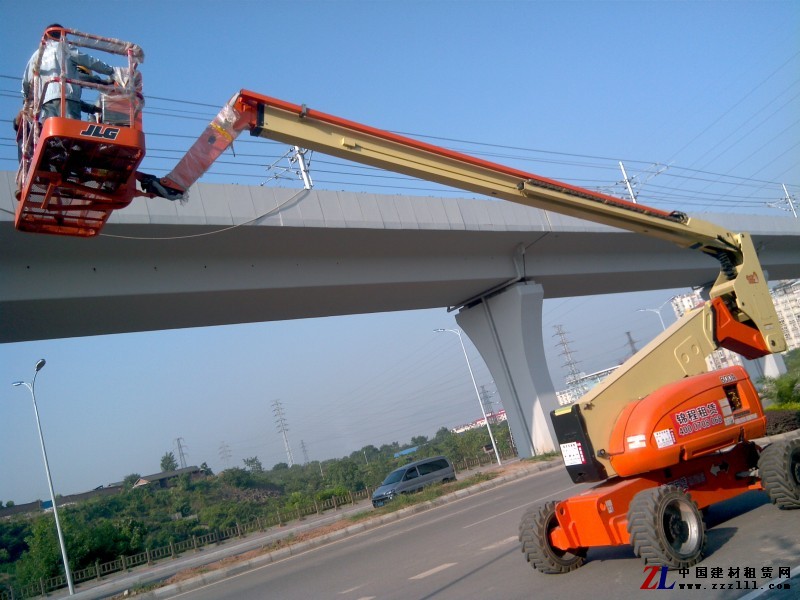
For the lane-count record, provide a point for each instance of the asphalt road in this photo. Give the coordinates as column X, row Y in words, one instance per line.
column 469, row 549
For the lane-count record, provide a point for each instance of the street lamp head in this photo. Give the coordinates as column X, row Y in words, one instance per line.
column 40, row 364
column 18, row 383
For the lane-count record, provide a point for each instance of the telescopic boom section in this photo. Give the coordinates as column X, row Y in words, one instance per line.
column 264, row 116
column 740, row 316
column 297, row 125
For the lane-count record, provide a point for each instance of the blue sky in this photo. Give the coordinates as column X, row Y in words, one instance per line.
column 563, row 89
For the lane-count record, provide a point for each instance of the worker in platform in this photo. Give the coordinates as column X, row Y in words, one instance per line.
column 51, row 67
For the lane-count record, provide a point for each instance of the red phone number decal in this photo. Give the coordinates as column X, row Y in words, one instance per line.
column 698, row 418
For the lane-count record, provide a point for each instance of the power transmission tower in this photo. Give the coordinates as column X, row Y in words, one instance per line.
column 225, row 454
column 486, row 400
column 305, row 452
column 280, row 421
column 179, row 444
column 631, row 343
column 574, row 381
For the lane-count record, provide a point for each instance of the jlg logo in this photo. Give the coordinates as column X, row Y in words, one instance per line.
column 98, row 131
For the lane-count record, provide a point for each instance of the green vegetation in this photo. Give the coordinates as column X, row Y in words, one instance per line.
column 781, row 396
column 781, row 393
column 103, row 528
column 168, row 462
column 542, row 457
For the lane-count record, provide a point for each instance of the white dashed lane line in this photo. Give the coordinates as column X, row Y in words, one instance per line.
column 433, row 571
column 501, row 543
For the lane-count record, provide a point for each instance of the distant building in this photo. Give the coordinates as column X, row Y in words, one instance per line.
column 580, row 385
column 494, row 417
column 786, row 296
column 163, row 479
column 406, row 451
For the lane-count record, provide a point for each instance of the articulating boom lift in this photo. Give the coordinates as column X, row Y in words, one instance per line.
column 663, row 438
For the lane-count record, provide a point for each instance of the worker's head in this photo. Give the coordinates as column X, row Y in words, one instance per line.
column 54, row 31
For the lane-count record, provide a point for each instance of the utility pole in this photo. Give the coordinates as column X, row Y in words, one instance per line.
column 787, row 199
column 574, row 382
column 627, row 182
column 225, row 454
column 283, row 428
column 305, row 452
column 299, row 157
column 181, row 455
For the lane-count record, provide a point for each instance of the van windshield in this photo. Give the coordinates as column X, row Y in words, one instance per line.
column 394, row 477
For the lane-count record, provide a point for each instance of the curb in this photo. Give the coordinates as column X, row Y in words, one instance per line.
column 300, row 547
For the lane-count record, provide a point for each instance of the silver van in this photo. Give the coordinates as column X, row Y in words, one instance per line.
column 413, row 477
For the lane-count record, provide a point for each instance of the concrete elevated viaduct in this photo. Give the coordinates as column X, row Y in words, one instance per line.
column 239, row 254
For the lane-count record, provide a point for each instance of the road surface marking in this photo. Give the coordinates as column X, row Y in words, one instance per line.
column 433, row 571
column 527, row 504
column 508, row 540
column 352, row 589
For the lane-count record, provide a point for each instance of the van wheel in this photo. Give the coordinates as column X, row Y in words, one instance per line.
column 779, row 468
column 534, row 533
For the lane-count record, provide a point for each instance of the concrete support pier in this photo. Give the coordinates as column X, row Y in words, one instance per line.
column 506, row 328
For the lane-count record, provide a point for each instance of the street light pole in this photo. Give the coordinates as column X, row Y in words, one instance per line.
column 654, row 310
column 657, row 311
column 31, row 386
column 477, row 393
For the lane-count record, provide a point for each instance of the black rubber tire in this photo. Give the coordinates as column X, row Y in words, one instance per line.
column 779, row 469
column 534, row 529
column 666, row 527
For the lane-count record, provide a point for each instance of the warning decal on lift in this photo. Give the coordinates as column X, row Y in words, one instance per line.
column 573, row 454
column 664, row 438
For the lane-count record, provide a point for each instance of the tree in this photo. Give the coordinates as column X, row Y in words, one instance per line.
column 345, row 472
column 206, row 470
column 238, row 478
column 168, row 462
column 784, row 391
column 43, row 558
column 253, row 465
column 130, row 480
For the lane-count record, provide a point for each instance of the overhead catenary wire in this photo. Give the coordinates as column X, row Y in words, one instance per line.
column 347, row 171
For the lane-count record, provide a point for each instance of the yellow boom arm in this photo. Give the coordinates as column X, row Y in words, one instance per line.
column 741, row 315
